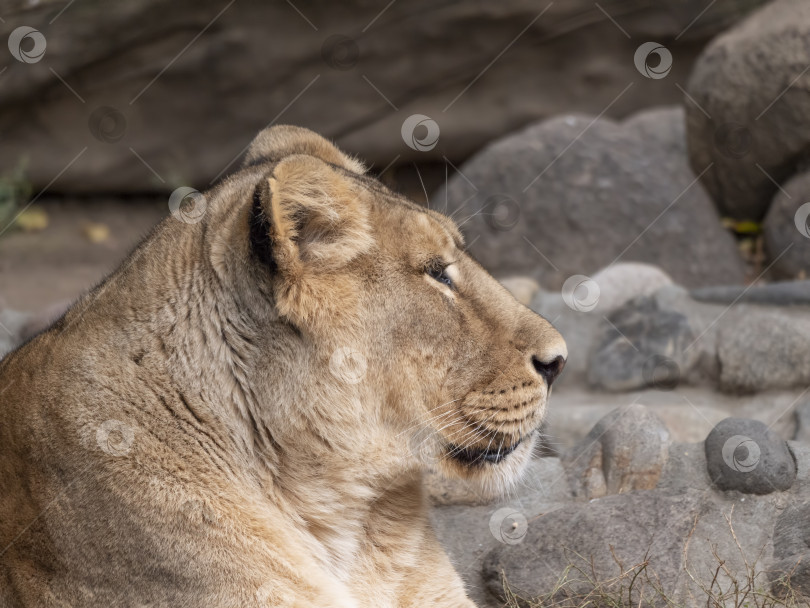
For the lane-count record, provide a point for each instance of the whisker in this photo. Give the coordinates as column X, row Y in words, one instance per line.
column 421, row 422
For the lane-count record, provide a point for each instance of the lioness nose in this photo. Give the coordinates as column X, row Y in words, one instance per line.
column 549, row 370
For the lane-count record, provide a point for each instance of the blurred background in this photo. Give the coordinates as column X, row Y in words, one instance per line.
column 634, row 170
column 109, row 107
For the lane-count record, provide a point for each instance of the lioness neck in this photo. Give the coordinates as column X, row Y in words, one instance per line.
column 187, row 325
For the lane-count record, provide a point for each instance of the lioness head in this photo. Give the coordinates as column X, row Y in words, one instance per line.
column 380, row 341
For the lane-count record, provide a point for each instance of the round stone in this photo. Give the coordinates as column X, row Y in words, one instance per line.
column 745, row 455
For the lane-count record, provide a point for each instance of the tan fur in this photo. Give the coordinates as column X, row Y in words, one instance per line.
column 211, row 426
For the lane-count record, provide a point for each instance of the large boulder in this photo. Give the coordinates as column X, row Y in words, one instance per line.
column 568, row 196
column 763, row 349
column 746, row 118
column 791, row 551
column 786, row 231
column 669, row 338
column 626, row 450
column 594, row 550
column 642, row 346
column 165, row 93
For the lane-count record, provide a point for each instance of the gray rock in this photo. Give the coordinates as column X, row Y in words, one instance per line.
column 786, row 231
column 626, row 450
column 631, row 523
column 642, row 346
column 802, row 414
column 703, row 320
column 742, row 348
column 756, row 134
column 746, row 456
column 789, row 293
column 759, row 349
column 685, row 469
column 564, row 197
column 583, row 547
column 791, row 551
column 622, row 282
column 337, row 68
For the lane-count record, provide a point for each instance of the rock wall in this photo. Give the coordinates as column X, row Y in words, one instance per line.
column 149, row 95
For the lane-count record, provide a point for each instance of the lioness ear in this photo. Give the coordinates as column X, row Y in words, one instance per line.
column 281, row 141
column 308, row 219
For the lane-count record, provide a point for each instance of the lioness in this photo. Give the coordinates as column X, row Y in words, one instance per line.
column 241, row 414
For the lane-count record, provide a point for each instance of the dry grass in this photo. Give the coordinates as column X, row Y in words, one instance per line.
column 637, row 585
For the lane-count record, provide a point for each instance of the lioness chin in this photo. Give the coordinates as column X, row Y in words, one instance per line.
column 241, row 414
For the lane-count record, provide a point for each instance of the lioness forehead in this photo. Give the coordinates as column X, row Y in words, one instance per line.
column 427, row 218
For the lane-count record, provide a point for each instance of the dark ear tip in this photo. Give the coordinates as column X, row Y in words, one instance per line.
column 261, row 244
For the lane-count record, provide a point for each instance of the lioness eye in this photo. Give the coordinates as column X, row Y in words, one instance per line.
column 439, row 273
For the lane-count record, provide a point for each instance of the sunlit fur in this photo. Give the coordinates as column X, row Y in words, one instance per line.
column 288, row 368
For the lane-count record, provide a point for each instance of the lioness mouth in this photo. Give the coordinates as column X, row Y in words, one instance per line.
column 472, row 456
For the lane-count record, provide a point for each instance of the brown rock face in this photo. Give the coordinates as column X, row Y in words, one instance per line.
column 153, row 94
column 751, row 94
column 625, row 451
